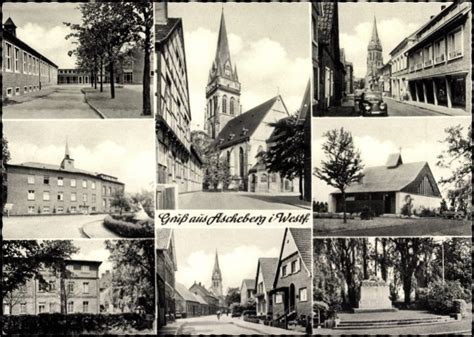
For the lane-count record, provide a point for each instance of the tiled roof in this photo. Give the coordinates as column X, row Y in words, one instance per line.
column 386, row 179
column 305, row 103
column 249, row 283
column 200, row 299
column 325, row 21
column 268, row 267
column 163, row 238
column 242, row 127
column 302, row 237
column 163, row 32
column 185, row 293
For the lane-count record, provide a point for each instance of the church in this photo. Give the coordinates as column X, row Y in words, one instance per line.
column 374, row 61
column 240, row 136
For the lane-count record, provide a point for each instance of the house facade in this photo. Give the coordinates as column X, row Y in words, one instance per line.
column 166, row 267
column 292, row 286
column 37, row 188
column 266, row 270
column 315, row 15
column 73, row 76
column 348, row 85
column 439, row 61
column 399, row 69
column 212, row 301
column 247, row 290
column 82, row 291
column 24, row 70
column 386, row 189
column 187, row 304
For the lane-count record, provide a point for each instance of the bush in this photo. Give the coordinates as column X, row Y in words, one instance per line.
column 128, row 229
column 440, row 298
column 73, row 324
column 426, row 212
column 407, row 207
column 366, row 213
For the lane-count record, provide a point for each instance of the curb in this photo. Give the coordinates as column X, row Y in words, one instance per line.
column 97, row 111
column 421, row 107
column 83, row 231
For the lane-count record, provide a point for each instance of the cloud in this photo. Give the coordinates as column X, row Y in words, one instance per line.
column 198, row 266
column 264, row 68
column 391, row 33
column 56, row 47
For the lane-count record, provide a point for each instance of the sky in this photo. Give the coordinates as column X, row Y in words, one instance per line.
column 395, row 21
column 121, row 148
column 269, row 43
column 93, row 250
column 418, row 138
column 41, row 25
column 238, row 250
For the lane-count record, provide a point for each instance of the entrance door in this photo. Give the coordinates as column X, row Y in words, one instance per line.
column 292, row 298
column 253, row 182
column 388, row 203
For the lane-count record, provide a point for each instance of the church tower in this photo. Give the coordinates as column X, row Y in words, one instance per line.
column 217, row 278
column 67, row 163
column 374, row 60
column 223, row 87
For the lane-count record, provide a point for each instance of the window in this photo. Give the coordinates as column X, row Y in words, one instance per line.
column 93, row 198
column 73, row 209
column 232, row 102
column 46, row 180
column 43, row 286
column 31, row 209
column 70, row 287
column 224, row 104
column 293, row 267
column 439, row 51
column 25, row 58
column 22, row 308
column 60, row 181
column 85, row 287
column 73, row 182
column 17, row 60
column 278, row 299
column 31, row 180
column 84, row 197
column 25, row 89
column 41, row 307
column 85, row 306
column 61, row 196
column 93, row 185
column 52, row 285
column 17, row 90
column 455, row 45
column 51, row 307
column 85, row 268
column 70, row 307
column 31, row 195
column 283, row 271
column 8, row 57
column 303, row 294
column 73, row 196
column 60, row 209
column 263, row 178
column 9, row 92
column 84, row 184
column 109, row 191
column 46, row 195
column 46, row 209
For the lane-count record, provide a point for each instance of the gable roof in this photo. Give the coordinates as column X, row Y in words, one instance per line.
column 249, row 283
column 163, row 31
column 394, row 160
column 268, row 267
column 204, row 290
column 386, row 179
column 305, row 103
column 163, row 238
column 248, row 121
column 185, row 293
column 200, row 299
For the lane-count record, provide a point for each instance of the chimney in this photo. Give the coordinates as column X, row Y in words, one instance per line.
column 161, row 13
column 431, row 17
column 443, row 7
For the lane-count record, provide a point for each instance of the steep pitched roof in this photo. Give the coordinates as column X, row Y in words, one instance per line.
column 185, row 293
column 386, row 179
column 249, row 283
column 305, row 103
column 242, row 127
column 374, row 40
column 163, row 238
column 302, row 237
column 268, row 267
column 163, row 31
column 200, row 299
column 394, row 160
column 325, row 21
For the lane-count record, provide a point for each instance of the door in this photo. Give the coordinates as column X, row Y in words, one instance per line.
column 292, row 298
column 388, row 203
column 253, row 182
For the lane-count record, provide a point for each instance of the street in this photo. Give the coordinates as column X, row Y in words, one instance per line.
column 47, row 227
column 210, row 325
column 240, row 200
column 59, row 102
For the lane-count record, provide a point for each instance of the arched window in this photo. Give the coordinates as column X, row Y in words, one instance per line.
column 224, row 104
column 263, row 178
column 232, row 105
column 241, row 162
column 274, row 178
column 228, row 158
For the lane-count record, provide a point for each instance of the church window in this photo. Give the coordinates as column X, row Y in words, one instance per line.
column 224, row 104
column 241, row 162
column 263, row 178
column 274, row 178
column 232, row 102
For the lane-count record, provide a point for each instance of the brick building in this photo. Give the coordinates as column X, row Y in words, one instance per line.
column 266, row 270
column 187, row 303
column 247, row 290
column 348, row 85
column 37, row 188
column 166, row 266
column 24, row 69
column 73, row 76
column 82, row 291
column 291, row 293
column 439, row 60
column 399, row 69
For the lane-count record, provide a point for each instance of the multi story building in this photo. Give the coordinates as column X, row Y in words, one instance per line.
column 81, row 293
column 439, row 61
column 348, row 85
column 73, row 76
column 315, row 14
column 399, row 69
column 374, row 61
column 177, row 163
column 247, row 291
column 166, row 268
column 266, row 270
column 37, row 188
column 24, row 69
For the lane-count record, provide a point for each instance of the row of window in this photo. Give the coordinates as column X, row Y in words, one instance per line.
column 291, row 268
column 60, row 182
column 26, row 89
column 60, row 196
column 60, row 209
column 28, row 64
column 50, row 286
column 302, row 296
column 227, row 108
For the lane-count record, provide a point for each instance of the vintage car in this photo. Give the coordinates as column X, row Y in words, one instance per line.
column 372, row 104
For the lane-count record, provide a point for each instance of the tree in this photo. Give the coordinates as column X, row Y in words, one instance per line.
column 285, row 153
column 134, row 272
column 458, row 158
column 216, row 171
column 146, row 199
column 343, row 165
column 233, row 296
column 120, row 201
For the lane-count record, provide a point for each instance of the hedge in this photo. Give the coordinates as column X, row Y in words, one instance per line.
column 440, row 298
column 73, row 324
column 139, row 229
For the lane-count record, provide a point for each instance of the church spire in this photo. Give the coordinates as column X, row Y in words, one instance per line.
column 222, row 51
column 67, row 163
column 374, row 40
column 217, row 269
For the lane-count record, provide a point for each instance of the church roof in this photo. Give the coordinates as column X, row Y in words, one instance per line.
column 268, row 267
column 185, row 293
column 374, row 40
column 394, row 176
column 242, row 127
column 249, row 283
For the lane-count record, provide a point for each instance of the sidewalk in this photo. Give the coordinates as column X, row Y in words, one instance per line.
column 29, row 96
column 264, row 329
column 431, row 107
column 97, row 230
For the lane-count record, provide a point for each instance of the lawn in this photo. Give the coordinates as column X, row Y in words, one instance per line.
column 391, row 227
column 126, row 104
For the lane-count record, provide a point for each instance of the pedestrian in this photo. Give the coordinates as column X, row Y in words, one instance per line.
column 218, row 314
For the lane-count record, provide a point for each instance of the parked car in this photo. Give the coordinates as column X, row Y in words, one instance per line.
column 236, row 314
column 249, row 313
column 372, row 104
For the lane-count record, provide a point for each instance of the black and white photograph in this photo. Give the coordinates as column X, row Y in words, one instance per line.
column 384, row 178
column 233, row 106
column 74, row 287
column 77, row 60
column 392, row 58
column 87, row 181
column 234, row 281
column 392, row 286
